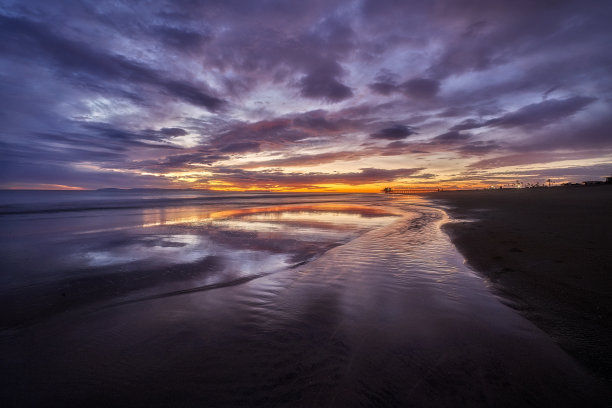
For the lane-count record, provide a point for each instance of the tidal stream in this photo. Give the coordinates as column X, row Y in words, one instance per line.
column 350, row 300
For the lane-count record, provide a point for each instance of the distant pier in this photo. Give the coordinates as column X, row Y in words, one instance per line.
column 410, row 190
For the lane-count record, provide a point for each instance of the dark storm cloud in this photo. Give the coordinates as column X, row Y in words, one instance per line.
column 395, row 132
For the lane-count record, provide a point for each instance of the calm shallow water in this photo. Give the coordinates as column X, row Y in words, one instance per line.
column 259, row 300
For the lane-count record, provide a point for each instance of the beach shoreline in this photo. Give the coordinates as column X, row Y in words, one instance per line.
column 362, row 301
column 546, row 253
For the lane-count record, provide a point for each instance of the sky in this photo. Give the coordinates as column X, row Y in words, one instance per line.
column 304, row 95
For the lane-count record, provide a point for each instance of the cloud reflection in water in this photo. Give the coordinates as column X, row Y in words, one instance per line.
column 246, row 240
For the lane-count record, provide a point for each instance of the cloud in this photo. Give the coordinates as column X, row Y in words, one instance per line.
column 451, row 137
column 242, row 147
column 25, row 174
column 533, row 115
column 286, row 131
column 114, row 134
column 395, row 132
column 275, row 84
column 468, row 124
column 275, row 132
column 321, row 85
column 542, row 113
column 180, row 38
column 386, row 83
column 479, row 147
column 383, row 88
column 420, row 88
column 173, row 131
column 589, row 172
column 176, row 162
column 310, row 159
column 531, row 158
column 592, row 134
column 534, row 174
column 318, row 121
column 417, row 88
column 74, row 60
column 449, row 142
column 268, row 179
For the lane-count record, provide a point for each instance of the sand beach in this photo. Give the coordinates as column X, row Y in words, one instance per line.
column 547, row 253
column 301, row 300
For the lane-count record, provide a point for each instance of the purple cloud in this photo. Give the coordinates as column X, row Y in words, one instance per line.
column 420, row 88
column 542, row 113
column 395, row 132
column 179, row 85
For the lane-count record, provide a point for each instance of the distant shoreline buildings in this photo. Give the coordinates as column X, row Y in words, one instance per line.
column 510, row 186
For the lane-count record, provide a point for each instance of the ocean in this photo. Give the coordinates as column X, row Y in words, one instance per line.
column 190, row 298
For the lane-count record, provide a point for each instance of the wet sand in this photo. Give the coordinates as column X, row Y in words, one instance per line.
column 547, row 252
column 298, row 305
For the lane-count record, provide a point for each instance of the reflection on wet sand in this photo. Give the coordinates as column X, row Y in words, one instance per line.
column 244, row 243
column 316, row 212
column 292, row 305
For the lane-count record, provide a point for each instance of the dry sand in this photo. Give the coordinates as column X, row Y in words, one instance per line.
column 547, row 252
